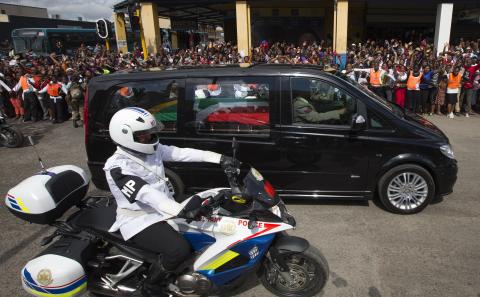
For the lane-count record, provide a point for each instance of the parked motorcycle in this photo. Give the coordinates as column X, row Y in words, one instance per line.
column 9, row 136
column 241, row 232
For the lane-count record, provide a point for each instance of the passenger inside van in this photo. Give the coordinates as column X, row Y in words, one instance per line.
column 313, row 102
column 173, row 91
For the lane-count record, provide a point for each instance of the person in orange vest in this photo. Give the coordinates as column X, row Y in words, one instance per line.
column 375, row 80
column 30, row 101
column 54, row 90
column 453, row 88
column 413, row 90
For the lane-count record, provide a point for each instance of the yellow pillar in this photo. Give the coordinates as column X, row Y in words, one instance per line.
column 174, row 39
column 142, row 36
column 244, row 41
column 335, row 27
column 249, row 29
column 150, row 27
column 120, row 32
column 340, row 27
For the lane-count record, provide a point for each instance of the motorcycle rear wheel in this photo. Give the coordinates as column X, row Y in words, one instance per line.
column 11, row 137
column 309, row 270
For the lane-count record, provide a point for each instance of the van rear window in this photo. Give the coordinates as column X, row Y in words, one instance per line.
column 159, row 97
column 233, row 105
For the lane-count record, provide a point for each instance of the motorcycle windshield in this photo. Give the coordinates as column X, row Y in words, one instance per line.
column 260, row 189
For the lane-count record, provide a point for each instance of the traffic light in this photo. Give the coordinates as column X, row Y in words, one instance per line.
column 103, row 28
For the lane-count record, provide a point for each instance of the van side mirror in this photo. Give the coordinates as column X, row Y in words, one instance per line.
column 358, row 122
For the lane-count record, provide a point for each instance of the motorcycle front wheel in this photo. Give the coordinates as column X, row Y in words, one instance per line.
column 11, row 137
column 308, row 274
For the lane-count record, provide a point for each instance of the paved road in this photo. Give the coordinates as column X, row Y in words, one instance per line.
column 371, row 252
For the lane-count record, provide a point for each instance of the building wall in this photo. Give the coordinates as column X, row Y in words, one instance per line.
column 26, row 11
column 292, row 23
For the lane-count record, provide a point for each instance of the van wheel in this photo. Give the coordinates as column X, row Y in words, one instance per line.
column 406, row 189
column 175, row 185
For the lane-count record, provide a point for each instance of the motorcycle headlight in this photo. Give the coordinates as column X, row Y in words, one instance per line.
column 446, row 149
column 276, row 211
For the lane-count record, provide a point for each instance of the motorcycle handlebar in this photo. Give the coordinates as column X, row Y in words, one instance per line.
column 232, row 173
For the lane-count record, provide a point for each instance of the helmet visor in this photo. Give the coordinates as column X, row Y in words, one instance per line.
column 148, row 136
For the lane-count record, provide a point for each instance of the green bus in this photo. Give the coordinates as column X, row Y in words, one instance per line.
column 42, row 41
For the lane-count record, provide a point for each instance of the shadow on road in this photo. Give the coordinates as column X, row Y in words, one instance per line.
column 22, row 244
column 35, row 129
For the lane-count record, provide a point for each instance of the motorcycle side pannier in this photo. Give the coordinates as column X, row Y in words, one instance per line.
column 59, row 270
column 44, row 197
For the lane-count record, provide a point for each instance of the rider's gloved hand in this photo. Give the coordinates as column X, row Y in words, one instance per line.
column 226, row 162
column 193, row 209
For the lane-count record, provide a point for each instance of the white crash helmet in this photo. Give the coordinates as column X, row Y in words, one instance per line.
column 128, row 123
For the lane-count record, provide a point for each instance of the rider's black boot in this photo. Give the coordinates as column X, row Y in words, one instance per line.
column 155, row 283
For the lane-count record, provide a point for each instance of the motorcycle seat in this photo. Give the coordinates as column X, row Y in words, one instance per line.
column 98, row 220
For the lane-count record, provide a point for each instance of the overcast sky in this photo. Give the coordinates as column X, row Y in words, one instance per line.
column 71, row 9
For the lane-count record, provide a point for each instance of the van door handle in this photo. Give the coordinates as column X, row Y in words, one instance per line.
column 295, row 139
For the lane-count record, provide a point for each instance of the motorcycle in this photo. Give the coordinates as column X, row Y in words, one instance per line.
column 242, row 231
column 9, row 136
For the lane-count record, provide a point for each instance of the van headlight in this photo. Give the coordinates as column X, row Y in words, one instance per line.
column 446, row 149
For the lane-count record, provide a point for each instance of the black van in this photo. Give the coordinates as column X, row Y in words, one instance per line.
column 312, row 134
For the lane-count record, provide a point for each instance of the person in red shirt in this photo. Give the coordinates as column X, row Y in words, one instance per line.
column 468, row 91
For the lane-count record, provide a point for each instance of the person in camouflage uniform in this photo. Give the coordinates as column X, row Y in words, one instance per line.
column 75, row 99
column 305, row 111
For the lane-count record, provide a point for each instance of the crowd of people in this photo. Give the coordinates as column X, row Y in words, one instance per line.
column 411, row 74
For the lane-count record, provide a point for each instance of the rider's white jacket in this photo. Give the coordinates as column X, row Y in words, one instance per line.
column 139, row 186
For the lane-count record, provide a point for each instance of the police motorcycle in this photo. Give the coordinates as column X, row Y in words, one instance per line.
column 241, row 232
column 9, row 136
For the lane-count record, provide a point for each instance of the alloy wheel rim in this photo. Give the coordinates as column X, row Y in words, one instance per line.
column 407, row 191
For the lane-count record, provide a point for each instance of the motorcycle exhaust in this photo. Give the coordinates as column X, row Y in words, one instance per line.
column 101, row 288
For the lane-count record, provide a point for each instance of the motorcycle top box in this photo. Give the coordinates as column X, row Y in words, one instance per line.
column 44, row 197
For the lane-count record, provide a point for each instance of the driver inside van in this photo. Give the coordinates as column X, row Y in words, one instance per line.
column 307, row 94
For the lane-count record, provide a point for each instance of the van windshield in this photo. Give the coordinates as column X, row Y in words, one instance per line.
column 396, row 109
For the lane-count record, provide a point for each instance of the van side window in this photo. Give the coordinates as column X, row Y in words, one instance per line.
column 234, row 105
column 376, row 122
column 319, row 102
column 159, row 97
